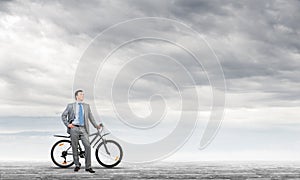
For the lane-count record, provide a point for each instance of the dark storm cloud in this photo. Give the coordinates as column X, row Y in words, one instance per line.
column 266, row 31
column 78, row 17
column 263, row 51
column 195, row 7
column 256, row 42
column 4, row 5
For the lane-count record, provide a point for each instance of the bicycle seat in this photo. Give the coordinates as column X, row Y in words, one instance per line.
column 62, row 136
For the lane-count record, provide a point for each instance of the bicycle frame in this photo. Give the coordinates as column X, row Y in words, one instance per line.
column 96, row 134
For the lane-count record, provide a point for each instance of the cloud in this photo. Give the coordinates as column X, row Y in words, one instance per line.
column 28, row 133
column 256, row 42
column 43, row 41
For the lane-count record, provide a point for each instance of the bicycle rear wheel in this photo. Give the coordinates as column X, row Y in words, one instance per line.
column 112, row 156
column 61, row 153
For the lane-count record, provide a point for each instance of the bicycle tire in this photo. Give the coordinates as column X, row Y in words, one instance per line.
column 119, row 158
column 52, row 154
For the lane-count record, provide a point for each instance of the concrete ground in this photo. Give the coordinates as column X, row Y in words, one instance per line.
column 159, row 170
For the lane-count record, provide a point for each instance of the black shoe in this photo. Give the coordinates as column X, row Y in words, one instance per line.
column 90, row 170
column 76, row 169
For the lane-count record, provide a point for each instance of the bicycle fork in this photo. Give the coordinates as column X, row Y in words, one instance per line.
column 104, row 143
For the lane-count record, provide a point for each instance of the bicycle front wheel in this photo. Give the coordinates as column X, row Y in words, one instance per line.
column 109, row 154
column 61, row 154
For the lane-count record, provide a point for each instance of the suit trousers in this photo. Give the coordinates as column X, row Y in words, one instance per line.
column 76, row 134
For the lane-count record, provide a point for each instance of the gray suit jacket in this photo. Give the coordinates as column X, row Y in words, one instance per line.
column 68, row 116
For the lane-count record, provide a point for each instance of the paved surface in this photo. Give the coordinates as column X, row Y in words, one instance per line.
column 162, row 170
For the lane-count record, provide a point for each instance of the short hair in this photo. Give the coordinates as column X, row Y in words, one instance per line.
column 78, row 91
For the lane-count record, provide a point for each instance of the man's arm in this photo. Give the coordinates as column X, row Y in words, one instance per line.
column 91, row 118
column 64, row 116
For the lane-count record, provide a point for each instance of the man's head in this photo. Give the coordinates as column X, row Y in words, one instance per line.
column 79, row 95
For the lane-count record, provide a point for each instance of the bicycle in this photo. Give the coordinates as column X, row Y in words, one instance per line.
column 108, row 153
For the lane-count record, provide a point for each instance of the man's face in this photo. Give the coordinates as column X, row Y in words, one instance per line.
column 80, row 96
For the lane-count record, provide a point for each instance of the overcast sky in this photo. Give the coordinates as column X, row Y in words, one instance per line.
column 256, row 42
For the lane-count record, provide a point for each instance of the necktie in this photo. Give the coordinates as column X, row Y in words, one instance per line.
column 81, row 121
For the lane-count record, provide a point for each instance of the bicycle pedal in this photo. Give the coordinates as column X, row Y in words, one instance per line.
column 82, row 154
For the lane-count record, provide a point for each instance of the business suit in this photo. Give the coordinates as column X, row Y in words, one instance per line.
column 77, row 133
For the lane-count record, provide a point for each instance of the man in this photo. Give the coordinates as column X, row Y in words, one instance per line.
column 76, row 117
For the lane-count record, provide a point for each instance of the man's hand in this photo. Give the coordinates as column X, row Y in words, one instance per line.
column 71, row 126
column 99, row 126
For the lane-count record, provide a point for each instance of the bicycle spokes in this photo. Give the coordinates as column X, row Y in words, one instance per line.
column 109, row 153
column 61, row 153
